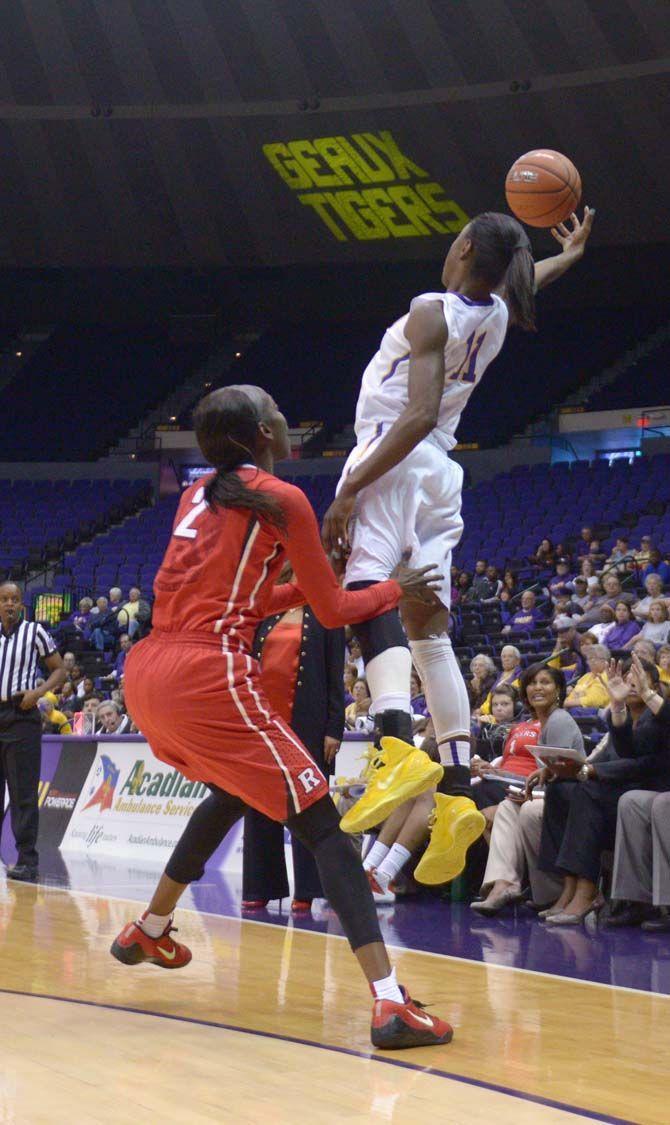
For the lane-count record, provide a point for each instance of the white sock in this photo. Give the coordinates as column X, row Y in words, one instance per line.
column 387, row 989
column 391, row 865
column 375, row 856
column 388, row 676
column 155, row 924
column 446, row 696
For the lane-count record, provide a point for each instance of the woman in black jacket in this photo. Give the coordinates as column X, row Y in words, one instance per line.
column 580, row 815
column 302, row 667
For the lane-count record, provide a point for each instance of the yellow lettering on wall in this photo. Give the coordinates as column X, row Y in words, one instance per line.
column 397, row 198
column 289, row 169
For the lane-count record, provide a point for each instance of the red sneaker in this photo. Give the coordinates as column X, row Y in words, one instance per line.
column 133, row 946
column 378, row 893
column 398, row 1026
column 254, row 903
column 301, row 906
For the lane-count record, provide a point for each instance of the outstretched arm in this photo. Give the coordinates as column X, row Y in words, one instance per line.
column 426, row 331
column 572, row 241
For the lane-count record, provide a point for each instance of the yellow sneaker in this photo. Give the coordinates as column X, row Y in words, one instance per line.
column 455, row 823
column 400, row 772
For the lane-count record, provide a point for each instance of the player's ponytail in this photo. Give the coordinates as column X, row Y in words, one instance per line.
column 503, row 259
column 226, row 427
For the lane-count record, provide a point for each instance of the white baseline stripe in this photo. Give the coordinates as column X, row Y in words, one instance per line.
column 396, row 948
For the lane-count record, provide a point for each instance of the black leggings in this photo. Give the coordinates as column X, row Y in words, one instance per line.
column 344, row 882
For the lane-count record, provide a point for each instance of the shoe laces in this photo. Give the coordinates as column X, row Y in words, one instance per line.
column 432, row 819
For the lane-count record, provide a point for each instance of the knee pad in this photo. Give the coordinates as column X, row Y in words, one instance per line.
column 379, row 633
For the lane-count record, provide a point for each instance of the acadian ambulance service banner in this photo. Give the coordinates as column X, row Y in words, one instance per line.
column 133, row 806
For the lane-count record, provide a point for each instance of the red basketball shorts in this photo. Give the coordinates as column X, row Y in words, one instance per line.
column 203, row 711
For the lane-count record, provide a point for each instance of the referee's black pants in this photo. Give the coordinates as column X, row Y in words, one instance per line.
column 20, row 760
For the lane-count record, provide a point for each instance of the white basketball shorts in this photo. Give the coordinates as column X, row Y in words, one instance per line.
column 415, row 508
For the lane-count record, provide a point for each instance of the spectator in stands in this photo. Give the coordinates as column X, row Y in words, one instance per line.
column 544, row 558
column 653, row 585
column 543, row 692
column 125, row 645
column 524, row 619
column 134, row 614
column 566, row 654
column 82, row 617
column 350, row 677
column 463, row 587
column 103, row 632
column 482, row 678
column 67, row 695
column 625, row 628
column 584, row 543
column 493, row 733
column 643, row 552
column 641, row 876
column 620, row 556
column 482, row 589
column 663, row 663
column 580, row 594
column 564, row 606
column 657, row 627
column 590, row 690
column 418, row 705
column 520, row 735
column 560, row 583
column 356, row 656
column 588, row 571
column 580, row 820
column 84, row 721
column 53, row 720
column 111, row 718
column 596, row 554
column 115, row 598
column 601, row 628
column 76, row 676
column 495, row 582
column 360, row 706
column 68, row 662
column 85, row 686
column 612, row 594
column 644, row 649
column 656, row 565
column 510, row 659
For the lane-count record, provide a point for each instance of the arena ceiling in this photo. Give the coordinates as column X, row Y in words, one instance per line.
column 254, row 133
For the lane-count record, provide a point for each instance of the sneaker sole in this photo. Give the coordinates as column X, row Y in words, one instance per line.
column 387, row 804
column 448, row 865
column 397, row 1036
column 135, row 955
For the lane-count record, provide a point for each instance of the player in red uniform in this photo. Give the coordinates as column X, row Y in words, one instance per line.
column 194, row 690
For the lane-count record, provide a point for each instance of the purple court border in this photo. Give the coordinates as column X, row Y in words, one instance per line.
column 537, row 1099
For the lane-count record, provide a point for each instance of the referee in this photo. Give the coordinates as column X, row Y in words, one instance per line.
column 22, row 645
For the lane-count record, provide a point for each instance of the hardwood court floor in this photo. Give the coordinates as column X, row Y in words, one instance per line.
column 142, row 1044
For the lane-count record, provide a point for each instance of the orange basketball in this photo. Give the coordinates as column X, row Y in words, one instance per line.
column 543, row 188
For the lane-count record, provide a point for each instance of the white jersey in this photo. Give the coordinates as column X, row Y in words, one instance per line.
column 476, row 334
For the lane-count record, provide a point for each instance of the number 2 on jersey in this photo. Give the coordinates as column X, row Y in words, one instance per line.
column 184, row 530
column 466, row 370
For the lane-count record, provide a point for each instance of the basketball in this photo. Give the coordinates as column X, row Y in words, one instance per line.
column 543, row 187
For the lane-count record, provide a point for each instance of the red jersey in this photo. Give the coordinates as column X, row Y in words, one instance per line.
column 219, row 570
column 517, row 755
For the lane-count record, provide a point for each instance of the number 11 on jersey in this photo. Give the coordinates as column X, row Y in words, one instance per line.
column 466, row 370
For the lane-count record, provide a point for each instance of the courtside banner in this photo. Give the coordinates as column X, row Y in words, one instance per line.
column 131, row 805
column 60, row 799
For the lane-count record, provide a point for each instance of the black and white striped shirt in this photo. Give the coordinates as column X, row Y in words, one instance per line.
column 19, row 654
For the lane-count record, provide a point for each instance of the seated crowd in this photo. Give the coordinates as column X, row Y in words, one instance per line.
column 94, row 703
column 578, row 659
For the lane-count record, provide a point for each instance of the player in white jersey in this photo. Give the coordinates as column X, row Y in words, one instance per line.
column 400, row 496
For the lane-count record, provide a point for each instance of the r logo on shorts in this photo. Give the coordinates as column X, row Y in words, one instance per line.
column 309, row 780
